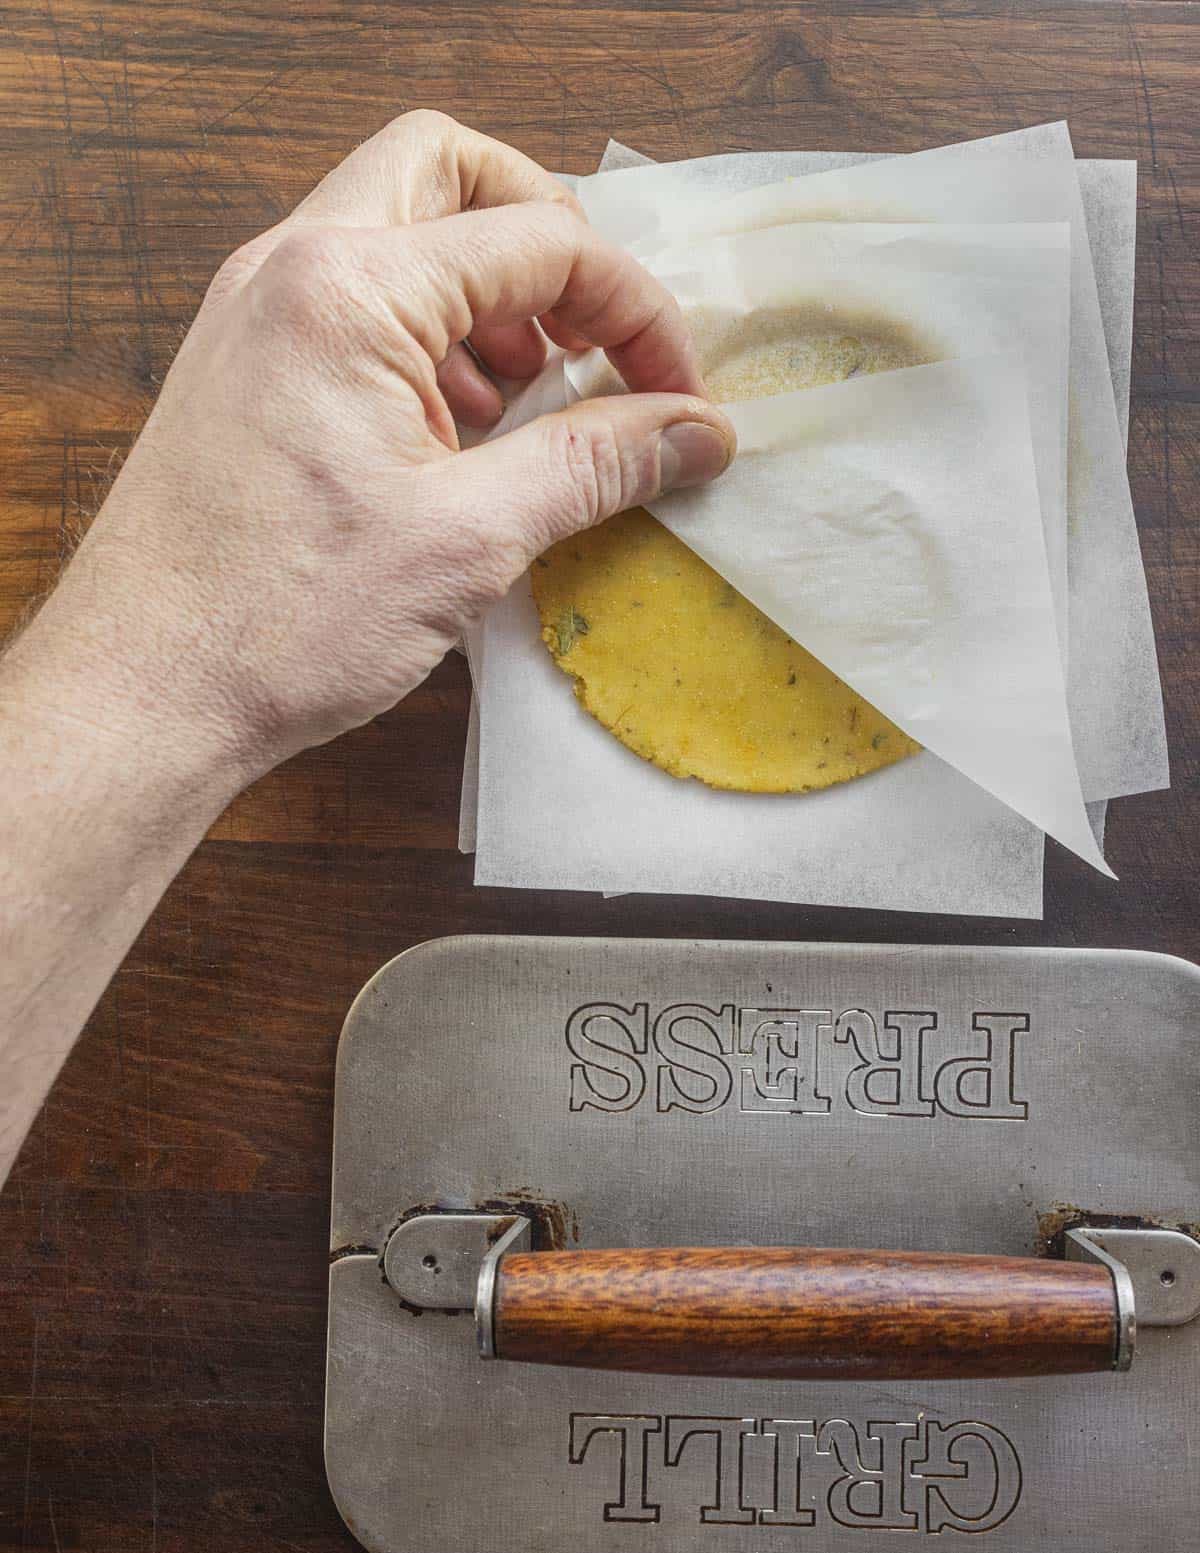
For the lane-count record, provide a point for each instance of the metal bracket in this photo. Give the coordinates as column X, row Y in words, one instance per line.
column 436, row 1260
column 1163, row 1265
column 517, row 1236
column 1081, row 1247
column 1156, row 1275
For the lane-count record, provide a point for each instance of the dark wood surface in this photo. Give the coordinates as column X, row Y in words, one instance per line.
column 163, row 1237
column 773, row 1313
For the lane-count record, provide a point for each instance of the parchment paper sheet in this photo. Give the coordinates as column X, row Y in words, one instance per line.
column 1109, row 193
column 685, row 838
column 563, row 805
column 1108, row 190
column 951, row 632
column 946, row 291
column 1028, row 175
column 993, row 862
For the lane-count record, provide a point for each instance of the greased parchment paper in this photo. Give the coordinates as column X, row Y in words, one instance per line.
column 890, row 525
column 765, row 305
column 1028, row 175
column 562, row 804
column 1108, row 189
column 990, row 863
column 854, row 519
column 1109, row 194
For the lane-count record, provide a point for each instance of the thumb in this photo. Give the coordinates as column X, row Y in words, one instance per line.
column 566, row 471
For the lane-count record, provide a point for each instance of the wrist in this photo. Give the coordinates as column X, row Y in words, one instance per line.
column 85, row 691
column 108, row 787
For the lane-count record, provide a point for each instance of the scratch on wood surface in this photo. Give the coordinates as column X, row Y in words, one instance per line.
column 1145, row 85
column 57, row 217
column 17, row 224
column 131, row 225
column 544, row 65
column 97, row 137
column 153, row 1500
column 998, row 91
column 33, row 1378
column 253, row 97
column 68, row 125
column 1178, row 203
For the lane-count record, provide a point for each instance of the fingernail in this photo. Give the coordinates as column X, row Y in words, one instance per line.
column 691, row 452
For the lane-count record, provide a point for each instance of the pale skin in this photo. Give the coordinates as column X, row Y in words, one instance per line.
column 296, row 539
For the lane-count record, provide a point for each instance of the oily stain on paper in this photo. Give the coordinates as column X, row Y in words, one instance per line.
column 671, row 658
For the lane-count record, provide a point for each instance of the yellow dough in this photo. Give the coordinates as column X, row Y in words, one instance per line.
column 670, row 657
column 690, row 675
column 774, row 352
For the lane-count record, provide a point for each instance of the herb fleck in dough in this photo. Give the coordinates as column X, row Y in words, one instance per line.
column 690, row 675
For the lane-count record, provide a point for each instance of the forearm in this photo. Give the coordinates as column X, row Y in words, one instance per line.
column 107, row 788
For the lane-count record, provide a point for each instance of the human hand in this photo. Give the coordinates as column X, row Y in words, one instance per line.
column 295, row 539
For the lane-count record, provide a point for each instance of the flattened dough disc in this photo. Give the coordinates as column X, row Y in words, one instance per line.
column 690, row 675
column 672, row 659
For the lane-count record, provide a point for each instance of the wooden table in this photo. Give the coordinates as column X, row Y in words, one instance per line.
column 162, row 1240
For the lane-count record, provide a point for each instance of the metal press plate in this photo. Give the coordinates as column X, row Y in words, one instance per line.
column 658, row 1093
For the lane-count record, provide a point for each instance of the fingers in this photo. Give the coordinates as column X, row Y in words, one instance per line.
column 561, row 335
column 421, row 166
column 514, row 351
column 424, row 165
column 496, row 268
column 472, row 398
column 510, row 350
column 564, row 472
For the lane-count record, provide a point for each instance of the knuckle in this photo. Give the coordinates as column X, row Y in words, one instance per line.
column 307, row 275
column 237, row 267
column 422, row 120
column 669, row 313
column 309, row 253
column 562, row 217
column 546, row 226
column 241, row 266
column 562, row 198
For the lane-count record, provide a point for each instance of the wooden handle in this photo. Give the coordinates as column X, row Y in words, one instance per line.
column 805, row 1314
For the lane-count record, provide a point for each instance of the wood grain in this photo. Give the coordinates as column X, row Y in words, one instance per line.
column 162, row 1239
column 772, row 1313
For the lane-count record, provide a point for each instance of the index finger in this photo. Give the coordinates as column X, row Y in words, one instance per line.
column 421, row 166
column 424, row 165
column 534, row 261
